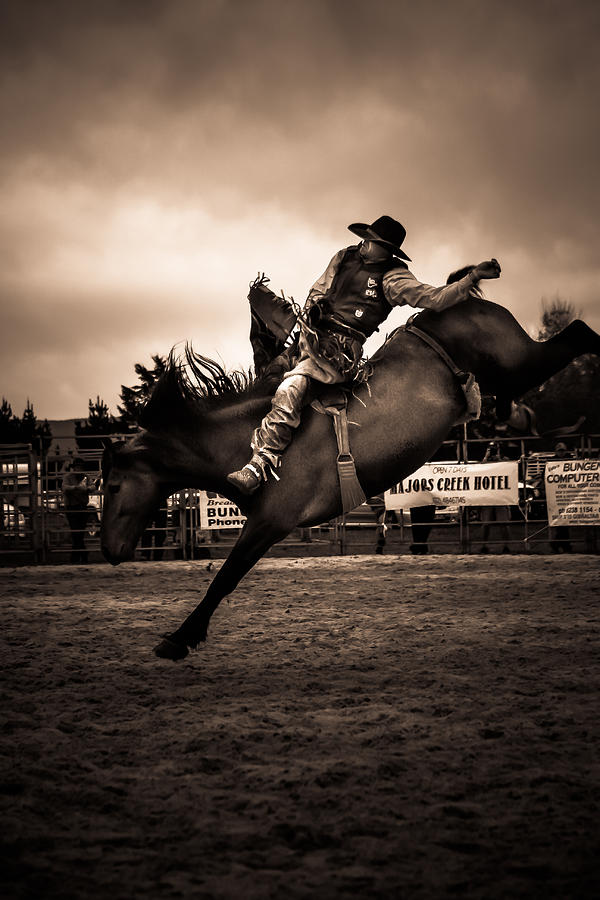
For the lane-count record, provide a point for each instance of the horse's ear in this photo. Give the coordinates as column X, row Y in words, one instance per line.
column 107, row 456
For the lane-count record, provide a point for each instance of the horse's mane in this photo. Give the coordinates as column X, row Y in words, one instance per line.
column 195, row 384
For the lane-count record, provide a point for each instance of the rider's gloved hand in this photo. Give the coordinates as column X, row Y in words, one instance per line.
column 490, row 268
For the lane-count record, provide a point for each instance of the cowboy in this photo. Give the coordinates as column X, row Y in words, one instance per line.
column 355, row 294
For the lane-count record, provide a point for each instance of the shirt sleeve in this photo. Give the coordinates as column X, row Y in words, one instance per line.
column 401, row 288
column 323, row 284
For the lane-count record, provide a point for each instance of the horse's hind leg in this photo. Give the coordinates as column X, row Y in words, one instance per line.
column 254, row 541
column 545, row 358
column 577, row 338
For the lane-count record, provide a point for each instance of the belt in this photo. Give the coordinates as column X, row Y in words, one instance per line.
column 331, row 323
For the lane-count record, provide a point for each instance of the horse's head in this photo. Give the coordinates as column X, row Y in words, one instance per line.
column 132, row 492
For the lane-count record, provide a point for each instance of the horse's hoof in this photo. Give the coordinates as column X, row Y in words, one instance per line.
column 169, row 649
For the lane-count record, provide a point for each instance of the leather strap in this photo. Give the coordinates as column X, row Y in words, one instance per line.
column 350, row 487
column 459, row 373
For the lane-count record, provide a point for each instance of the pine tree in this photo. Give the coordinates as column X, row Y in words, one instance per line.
column 134, row 398
column 555, row 317
column 98, row 422
column 8, row 423
column 29, row 425
column 25, row 430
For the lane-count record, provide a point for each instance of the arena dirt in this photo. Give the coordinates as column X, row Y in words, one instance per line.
column 355, row 727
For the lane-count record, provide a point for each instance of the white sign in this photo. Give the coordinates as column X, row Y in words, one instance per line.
column 573, row 491
column 457, row 484
column 219, row 512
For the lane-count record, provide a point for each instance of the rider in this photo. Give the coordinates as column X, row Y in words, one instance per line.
column 355, row 294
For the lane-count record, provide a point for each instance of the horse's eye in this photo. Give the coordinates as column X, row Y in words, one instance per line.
column 114, row 488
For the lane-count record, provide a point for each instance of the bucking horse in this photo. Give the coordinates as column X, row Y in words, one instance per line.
column 197, row 424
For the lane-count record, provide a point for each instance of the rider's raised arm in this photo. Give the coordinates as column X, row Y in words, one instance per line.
column 402, row 288
column 323, row 284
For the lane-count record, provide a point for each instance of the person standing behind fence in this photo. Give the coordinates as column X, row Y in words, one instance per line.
column 495, row 514
column 76, row 497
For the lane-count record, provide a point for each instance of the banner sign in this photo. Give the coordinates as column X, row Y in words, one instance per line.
column 457, row 484
column 573, row 491
column 219, row 512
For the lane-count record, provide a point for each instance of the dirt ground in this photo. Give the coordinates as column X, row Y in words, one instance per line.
column 402, row 727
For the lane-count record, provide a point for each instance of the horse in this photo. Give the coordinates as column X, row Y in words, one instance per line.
column 193, row 434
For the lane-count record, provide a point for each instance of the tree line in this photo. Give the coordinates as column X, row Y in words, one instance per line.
column 562, row 400
column 27, row 429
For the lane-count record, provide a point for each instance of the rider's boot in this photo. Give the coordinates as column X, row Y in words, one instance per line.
column 273, row 434
column 250, row 478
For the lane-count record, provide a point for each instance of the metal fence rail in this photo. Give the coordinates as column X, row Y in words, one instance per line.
column 20, row 519
column 37, row 526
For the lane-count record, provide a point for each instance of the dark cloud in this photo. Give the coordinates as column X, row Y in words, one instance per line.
column 473, row 122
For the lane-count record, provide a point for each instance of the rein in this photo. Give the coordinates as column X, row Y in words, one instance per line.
column 467, row 380
column 460, row 374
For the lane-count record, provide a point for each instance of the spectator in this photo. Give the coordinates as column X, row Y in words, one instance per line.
column 382, row 517
column 495, row 515
column 76, row 495
column 422, row 520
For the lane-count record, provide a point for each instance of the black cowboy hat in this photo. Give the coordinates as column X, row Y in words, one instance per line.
column 384, row 230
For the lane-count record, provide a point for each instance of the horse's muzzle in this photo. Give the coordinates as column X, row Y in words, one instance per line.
column 114, row 558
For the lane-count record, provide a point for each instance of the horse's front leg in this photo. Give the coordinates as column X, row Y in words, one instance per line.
column 254, row 541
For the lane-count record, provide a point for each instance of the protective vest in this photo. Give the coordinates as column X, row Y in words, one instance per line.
column 356, row 295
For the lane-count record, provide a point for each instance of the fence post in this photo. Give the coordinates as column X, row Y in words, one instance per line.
column 342, row 533
column 35, row 507
column 463, row 516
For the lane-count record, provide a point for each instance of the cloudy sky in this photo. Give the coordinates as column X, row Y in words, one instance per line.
column 157, row 154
